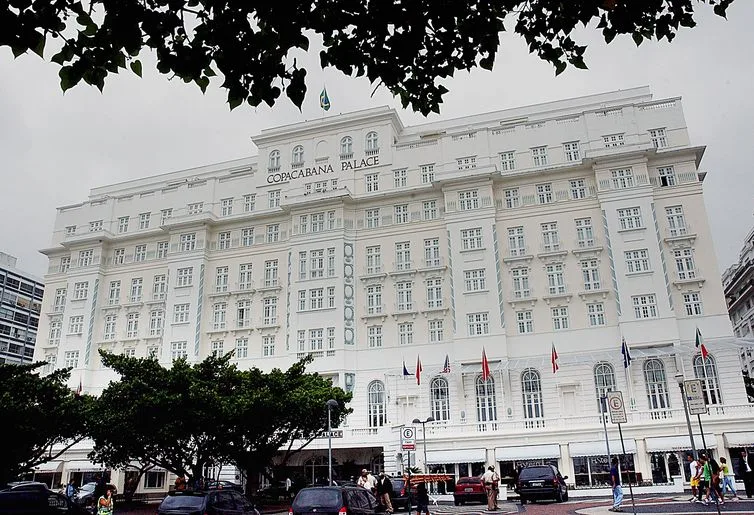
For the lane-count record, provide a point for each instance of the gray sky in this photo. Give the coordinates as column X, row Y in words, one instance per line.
column 55, row 147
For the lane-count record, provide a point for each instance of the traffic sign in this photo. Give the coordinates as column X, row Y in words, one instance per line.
column 335, row 433
column 408, row 438
column 616, row 408
column 695, row 396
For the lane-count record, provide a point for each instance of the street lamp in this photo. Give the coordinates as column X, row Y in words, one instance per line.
column 679, row 379
column 332, row 403
column 424, row 437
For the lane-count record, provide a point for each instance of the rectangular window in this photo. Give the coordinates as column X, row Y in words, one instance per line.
column 539, row 156
column 188, row 242
column 247, row 236
column 684, row 263
column 693, row 303
column 110, row 321
column 478, row 324
column 432, row 252
column 270, row 310
column 544, row 193
column 59, row 303
column 525, row 322
column 637, row 261
column 114, row 296
column 571, row 150
column 331, row 220
column 676, row 220
column 372, row 182
column 596, row 314
column 645, row 306
column 140, row 253
column 584, row 233
column 666, row 175
column 122, row 224
column 244, row 276
column 372, row 218
column 474, row 280
column 331, row 296
column 331, row 262
column 271, row 273
column 56, row 327
column 95, row 226
column 401, row 213
column 374, row 334
column 613, row 140
column 152, row 351
column 180, row 313
column 160, row 287
column 374, row 260
column 71, row 359
column 550, row 238
column 194, row 208
column 132, row 326
column 185, row 276
column 403, row 256
column 471, row 239
column 316, row 339
column 560, row 318
column 516, row 243
column 65, row 264
column 156, row 322
column 578, row 189
column 436, row 333
column 144, row 219
column 273, row 199
column 330, row 337
column 591, row 274
column 622, row 178
column 70, row 230
column 512, row 198
column 555, row 279
column 178, row 350
column 374, row 299
column 273, row 233
column 223, row 240
column 165, row 215
column 268, row 346
column 317, row 298
column 119, row 256
column 468, row 200
column 221, row 279
column 136, row 289
column 86, row 258
column 81, row 290
column 318, row 222
column 658, row 137
column 434, row 293
column 630, row 218
column 466, row 163
column 219, row 311
column 405, row 300
column 521, row 288
column 429, row 210
column 243, row 314
column 406, row 333
column 303, row 224
column 242, row 348
column 316, row 263
column 226, row 207
column 427, row 173
column 162, row 249
column 507, row 161
column 249, row 202
column 76, row 324
column 399, row 178
column 302, row 262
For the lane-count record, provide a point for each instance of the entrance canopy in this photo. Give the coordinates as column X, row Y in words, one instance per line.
column 527, row 452
column 678, row 443
column 48, row 467
column 83, row 466
column 598, row 448
column 739, row 439
column 456, row 456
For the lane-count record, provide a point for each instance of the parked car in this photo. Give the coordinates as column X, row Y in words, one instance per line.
column 541, row 482
column 207, row 502
column 401, row 499
column 84, row 496
column 28, row 485
column 21, row 501
column 334, row 500
column 224, row 484
column 469, row 489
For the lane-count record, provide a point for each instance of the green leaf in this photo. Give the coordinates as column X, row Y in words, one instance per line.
column 638, row 38
column 209, row 72
column 136, row 67
column 579, row 63
column 560, row 67
column 235, row 102
column 39, row 48
column 68, row 78
column 17, row 51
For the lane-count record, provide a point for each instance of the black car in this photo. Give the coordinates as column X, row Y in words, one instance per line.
column 539, row 482
column 224, row 484
column 20, row 501
column 401, row 497
column 335, row 500
column 206, row 502
column 28, row 485
column 84, row 496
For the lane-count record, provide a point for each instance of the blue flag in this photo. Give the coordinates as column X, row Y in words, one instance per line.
column 405, row 370
column 324, row 100
column 626, row 354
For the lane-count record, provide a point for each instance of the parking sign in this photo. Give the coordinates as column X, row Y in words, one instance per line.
column 616, row 408
column 408, row 438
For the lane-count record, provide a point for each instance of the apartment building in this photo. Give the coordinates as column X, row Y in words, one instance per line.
column 20, row 304
column 738, row 283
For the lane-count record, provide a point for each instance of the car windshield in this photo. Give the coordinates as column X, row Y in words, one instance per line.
column 536, row 473
column 89, row 487
column 397, row 483
column 319, row 497
column 172, row 502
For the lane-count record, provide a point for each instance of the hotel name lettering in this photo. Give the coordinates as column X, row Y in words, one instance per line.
column 314, row 171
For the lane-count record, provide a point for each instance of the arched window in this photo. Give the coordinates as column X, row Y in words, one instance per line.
column 486, row 404
column 346, row 147
column 297, row 156
column 274, row 160
column 531, row 388
column 376, row 408
column 440, row 398
column 372, row 143
column 657, row 387
column 604, row 381
column 709, row 378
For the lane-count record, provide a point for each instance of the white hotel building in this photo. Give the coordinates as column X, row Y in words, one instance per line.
column 367, row 244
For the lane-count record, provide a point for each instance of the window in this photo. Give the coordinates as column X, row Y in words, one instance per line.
column 507, row 161
column 249, row 202
column 525, row 322
column 630, row 218
column 331, row 262
column 471, row 239
column 219, row 311
column 56, row 328
column 152, row 351
column 80, row 290
column 132, row 326
column 194, row 208
column 372, row 218
column 406, row 333
column 596, row 314
column 376, row 404
column 270, row 310
column 658, row 137
column 374, row 260
column 71, row 358
column 403, row 256
column 666, row 175
column 221, row 279
column 657, row 387
column 59, row 303
column 512, row 198
column 432, row 252
column 645, row 306
column 693, row 303
column 156, row 322
column 676, row 220
column 374, row 336
column 578, row 189
column 434, row 293
column 244, row 276
column 571, row 150
column 401, row 213
column 154, row 479
column 180, row 313
column 123, row 224
column 315, row 339
column 65, row 264
column 144, row 219
column 297, row 156
column 405, row 300
column 109, row 333
column 247, row 236
column 637, row 261
column 584, row 232
column 242, row 348
column 184, row 277
column 613, row 140
column 140, row 253
column 555, row 279
column 178, row 350
column 478, row 324
column 331, row 220
column 372, row 182
column 474, row 280
column 346, row 147
column 531, row 389
column 486, row 404
column 317, row 263
column 223, row 240
column 273, row 233
column 429, row 210
column 188, row 242
column 243, row 314
column 136, row 289
column 436, row 331
column 162, row 249
column 684, row 263
column 604, row 381
column 331, row 296
column 273, row 199
column 521, row 288
column 70, row 230
column 318, row 222
column 374, row 299
column 274, row 161
column 399, row 178
column 439, row 399
column 95, row 226
column 468, row 200
column 114, row 296
column 427, row 173
column 559, row 318
column 165, row 215
column 544, row 193
column 76, row 324
column 550, row 239
column 268, row 346
column 119, row 256
column 86, row 258
column 226, row 207
column 706, row 370
column 466, row 163
column 371, row 142
column 591, row 274
column 317, row 298
column 516, row 243
column 539, row 156
column 160, row 287
column 271, row 273
column 622, row 178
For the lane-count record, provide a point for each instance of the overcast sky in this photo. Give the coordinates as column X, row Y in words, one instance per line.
column 55, row 147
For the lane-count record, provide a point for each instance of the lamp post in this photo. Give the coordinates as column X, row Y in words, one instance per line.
column 424, row 437
column 679, row 379
column 332, row 403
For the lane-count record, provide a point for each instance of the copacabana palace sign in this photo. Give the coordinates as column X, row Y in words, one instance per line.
column 313, row 171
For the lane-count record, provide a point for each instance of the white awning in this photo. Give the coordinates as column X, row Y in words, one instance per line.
column 82, row 466
column 527, row 452
column 598, row 448
column 678, row 443
column 457, row 456
column 50, row 466
column 739, row 439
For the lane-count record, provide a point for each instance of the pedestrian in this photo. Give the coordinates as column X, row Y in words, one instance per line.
column 422, row 499
column 704, row 478
column 746, row 472
column 728, row 479
column 385, row 492
column 105, row 504
column 366, row 480
column 491, row 485
column 695, row 471
column 617, row 489
column 70, row 489
column 712, row 477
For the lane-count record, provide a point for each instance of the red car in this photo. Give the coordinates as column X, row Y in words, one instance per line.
column 469, row 489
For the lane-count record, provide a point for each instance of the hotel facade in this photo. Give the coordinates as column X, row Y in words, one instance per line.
column 372, row 246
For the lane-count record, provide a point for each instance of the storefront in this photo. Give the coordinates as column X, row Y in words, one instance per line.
column 736, row 442
column 591, row 464
column 459, row 462
column 511, row 458
column 668, row 456
column 49, row 473
column 82, row 472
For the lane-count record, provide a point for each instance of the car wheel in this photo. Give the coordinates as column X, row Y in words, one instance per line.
column 559, row 496
column 523, row 500
column 565, row 495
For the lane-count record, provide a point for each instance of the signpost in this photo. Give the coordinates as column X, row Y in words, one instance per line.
column 408, row 438
column 695, row 396
column 617, row 412
column 335, row 433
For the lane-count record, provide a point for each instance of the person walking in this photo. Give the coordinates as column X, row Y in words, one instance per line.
column 712, row 477
column 105, row 504
column 70, row 489
column 617, row 488
column 728, row 479
column 694, row 472
column 385, row 492
column 366, row 480
column 746, row 472
column 491, row 485
column 422, row 499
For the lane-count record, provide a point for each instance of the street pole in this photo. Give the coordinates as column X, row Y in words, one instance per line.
column 628, row 476
column 603, row 401
column 424, row 438
column 679, row 379
column 330, row 404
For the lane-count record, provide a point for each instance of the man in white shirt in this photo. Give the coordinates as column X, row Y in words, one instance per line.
column 366, row 480
column 695, row 472
column 491, row 484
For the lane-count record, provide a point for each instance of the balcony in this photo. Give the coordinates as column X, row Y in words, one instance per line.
column 557, row 294
column 586, row 246
column 519, row 254
column 403, row 268
column 270, row 284
column 375, row 311
column 268, row 322
column 522, row 296
column 552, row 250
column 680, row 236
column 432, row 265
column 373, row 272
column 689, row 278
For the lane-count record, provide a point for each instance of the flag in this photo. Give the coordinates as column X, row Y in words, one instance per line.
column 405, row 370
column 554, row 359
column 446, row 367
column 700, row 344
column 626, row 354
column 485, row 366
column 418, row 370
column 79, row 389
column 324, row 100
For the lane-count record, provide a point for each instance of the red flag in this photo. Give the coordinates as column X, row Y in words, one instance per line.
column 554, row 359
column 485, row 366
column 700, row 344
column 418, row 370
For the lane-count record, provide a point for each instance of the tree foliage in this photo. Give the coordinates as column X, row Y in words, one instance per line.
column 407, row 46
column 190, row 416
column 38, row 412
